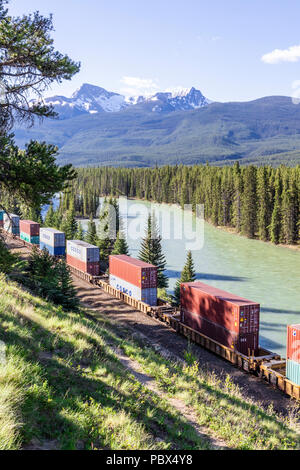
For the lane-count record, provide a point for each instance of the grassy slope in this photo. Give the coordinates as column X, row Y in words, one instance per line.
column 63, row 386
column 265, row 130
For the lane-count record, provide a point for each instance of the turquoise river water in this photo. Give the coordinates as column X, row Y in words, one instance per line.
column 256, row 270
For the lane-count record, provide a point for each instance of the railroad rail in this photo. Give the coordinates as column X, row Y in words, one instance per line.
column 266, row 364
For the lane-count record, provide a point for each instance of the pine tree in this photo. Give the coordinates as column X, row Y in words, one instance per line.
column 50, row 219
column 151, row 251
column 120, row 246
column 80, row 232
column 66, row 292
column 263, row 204
column 69, row 224
column 275, row 226
column 91, row 234
column 188, row 275
column 249, row 202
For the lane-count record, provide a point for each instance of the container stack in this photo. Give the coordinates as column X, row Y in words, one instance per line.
column 54, row 241
column 134, row 278
column 1, row 218
column 11, row 223
column 30, row 231
column 223, row 317
column 293, row 354
column 83, row 256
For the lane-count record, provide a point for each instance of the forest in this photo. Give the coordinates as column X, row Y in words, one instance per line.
column 258, row 202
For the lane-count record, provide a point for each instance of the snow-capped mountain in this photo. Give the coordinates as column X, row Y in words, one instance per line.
column 179, row 99
column 92, row 99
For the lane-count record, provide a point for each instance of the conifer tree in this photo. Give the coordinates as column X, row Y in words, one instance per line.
column 50, row 219
column 188, row 275
column 120, row 246
column 249, row 202
column 263, row 204
column 91, row 234
column 151, row 251
column 275, row 226
column 69, row 224
column 80, row 232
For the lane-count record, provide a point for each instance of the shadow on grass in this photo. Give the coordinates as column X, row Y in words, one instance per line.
column 72, row 389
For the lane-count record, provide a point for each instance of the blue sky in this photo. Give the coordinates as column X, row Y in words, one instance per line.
column 230, row 49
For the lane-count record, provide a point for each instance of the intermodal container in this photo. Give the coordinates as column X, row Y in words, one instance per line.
column 227, row 318
column 11, row 223
column 146, row 295
column 30, row 227
column 1, row 215
column 83, row 251
column 293, row 371
column 52, row 237
column 34, row 240
column 293, row 343
column 89, row 267
column 53, row 250
column 134, row 271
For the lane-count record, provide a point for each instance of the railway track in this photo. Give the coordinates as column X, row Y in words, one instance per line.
column 267, row 365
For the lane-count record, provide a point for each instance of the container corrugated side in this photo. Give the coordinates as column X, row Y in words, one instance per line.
column 243, row 342
column 30, row 227
column 293, row 371
column 1, row 215
column 11, row 223
column 84, row 252
column 133, row 271
column 147, row 295
column 293, row 343
column 53, row 250
column 92, row 268
column 34, row 240
column 52, row 237
column 227, row 310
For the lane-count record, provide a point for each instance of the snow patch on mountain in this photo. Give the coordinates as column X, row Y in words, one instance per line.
column 93, row 99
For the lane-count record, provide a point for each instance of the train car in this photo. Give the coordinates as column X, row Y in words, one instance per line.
column 1, row 218
column 293, row 354
column 134, row 278
column 231, row 320
column 11, row 223
column 83, row 256
column 54, row 241
column 30, row 232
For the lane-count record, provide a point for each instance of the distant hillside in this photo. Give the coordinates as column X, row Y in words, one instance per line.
column 264, row 130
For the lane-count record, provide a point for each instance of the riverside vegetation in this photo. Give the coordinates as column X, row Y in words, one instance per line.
column 258, row 202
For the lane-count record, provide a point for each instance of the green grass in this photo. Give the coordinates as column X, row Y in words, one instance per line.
column 219, row 404
column 62, row 386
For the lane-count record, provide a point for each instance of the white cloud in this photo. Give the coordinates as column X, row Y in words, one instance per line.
column 136, row 86
column 292, row 54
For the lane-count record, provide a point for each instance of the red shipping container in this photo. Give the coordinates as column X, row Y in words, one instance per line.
column 293, row 343
column 217, row 308
column 242, row 342
column 30, row 228
column 134, row 271
column 92, row 268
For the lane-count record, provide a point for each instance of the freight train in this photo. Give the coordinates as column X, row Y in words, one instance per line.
column 225, row 318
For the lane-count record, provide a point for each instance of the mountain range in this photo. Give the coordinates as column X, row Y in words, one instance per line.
column 91, row 99
column 98, row 127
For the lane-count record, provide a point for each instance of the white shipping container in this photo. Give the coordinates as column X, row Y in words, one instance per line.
column 149, row 295
column 83, row 251
column 10, row 221
column 52, row 237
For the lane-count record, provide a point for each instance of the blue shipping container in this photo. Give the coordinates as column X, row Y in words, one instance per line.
column 54, row 251
column 293, row 371
column 34, row 240
column 1, row 215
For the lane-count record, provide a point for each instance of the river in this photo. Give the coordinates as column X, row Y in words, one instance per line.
column 256, row 270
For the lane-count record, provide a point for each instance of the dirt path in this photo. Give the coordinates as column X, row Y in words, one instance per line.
column 149, row 382
column 167, row 342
